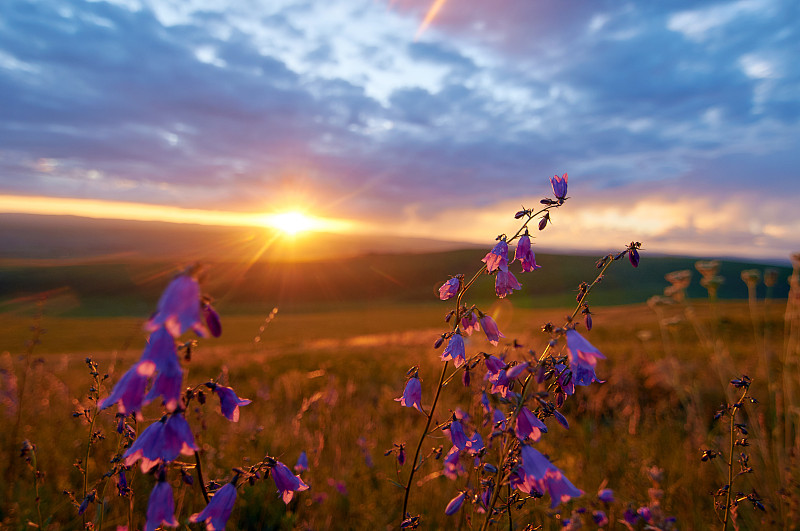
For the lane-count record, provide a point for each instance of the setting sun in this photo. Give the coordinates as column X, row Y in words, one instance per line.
column 293, row 222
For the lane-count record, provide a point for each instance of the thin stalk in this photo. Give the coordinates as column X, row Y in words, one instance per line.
column 736, row 407
column 199, row 469
column 508, row 441
column 422, row 439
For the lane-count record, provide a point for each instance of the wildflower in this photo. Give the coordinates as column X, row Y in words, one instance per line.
column 559, row 186
column 457, row 435
column 538, row 473
column 561, row 419
column 606, row 496
column 514, row 372
column 497, row 258
column 286, row 482
column 452, row 464
column 469, row 323
column 454, row 505
column 412, row 394
column 229, row 403
column 160, row 349
column 302, row 463
column 179, row 308
column 218, row 510
column 162, row 441
column 633, row 256
column 505, row 283
column 129, row 391
column 161, row 507
column 600, row 518
column 493, row 334
column 169, row 382
column 449, row 289
column 529, row 425
column 582, row 358
column 494, row 364
column 212, row 319
column 500, row 383
column 524, row 254
column 455, row 350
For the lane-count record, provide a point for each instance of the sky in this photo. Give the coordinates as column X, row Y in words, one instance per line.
column 677, row 122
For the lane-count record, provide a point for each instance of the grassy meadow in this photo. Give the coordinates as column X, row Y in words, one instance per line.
column 323, row 373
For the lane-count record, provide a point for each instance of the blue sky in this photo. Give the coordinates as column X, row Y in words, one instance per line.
column 678, row 122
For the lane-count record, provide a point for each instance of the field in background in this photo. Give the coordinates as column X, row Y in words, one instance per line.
column 325, row 383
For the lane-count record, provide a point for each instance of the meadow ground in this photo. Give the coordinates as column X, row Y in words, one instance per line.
column 324, row 383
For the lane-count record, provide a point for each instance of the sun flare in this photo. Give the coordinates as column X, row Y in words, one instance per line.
column 292, row 222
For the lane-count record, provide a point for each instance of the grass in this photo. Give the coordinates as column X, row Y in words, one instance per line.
column 325, row 382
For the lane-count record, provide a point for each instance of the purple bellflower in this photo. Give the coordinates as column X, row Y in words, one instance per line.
column 161, row 507
column 469, row 323
column 229, row 403
column 302, row 463
column 218, row 510
column 515, row 371
column 537, row 473
column 455, row 350
column 505, row 283
column 561, row 490
column 524, row 254
column 529, row 425
column 129, row 391
column 494, row 365
column 168, row 384
column 497, row 258
column 454, row 505
column 160, row 349
column 452, row 464
column 457, row 435
column 162, row 441
column 286, row 482
column 449, row 289
column 493, row 334
column 582, row 359
column 606, row 496
column 412, row 394
column 179, row 308
column 559, row 186
column 212, row 319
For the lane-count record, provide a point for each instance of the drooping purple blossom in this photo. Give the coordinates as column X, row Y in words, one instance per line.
column 161, row 507
column 168, row 384
column 469, row 323
column 559, row 186
column 286, row 482
column 229, row 402
column 500, row 383
column 449, row 289
column 582, row 359
column 498, row 420
column 524, row 254
column 494, row 364
column 600, row 518
column 455, row 504
column 529, row 425
column 302, row 463
column 218, row 510
column 633, row 256
column 162, row 441
column 211, row 317
column 160, row 349
column 493, row 333
column 561, row 419
column 452, row 464
column 179, row 308
column 537, row 473
column 514, row 372
column 129, row 391
column 497, row 258
column 606, row 495
column 457, row 435
column 412, row 394
column 455, row 350
column 505, row 283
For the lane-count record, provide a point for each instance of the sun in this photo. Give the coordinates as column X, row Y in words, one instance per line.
column 292, row 222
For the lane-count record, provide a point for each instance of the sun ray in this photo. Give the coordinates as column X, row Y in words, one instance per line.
column 432, row 12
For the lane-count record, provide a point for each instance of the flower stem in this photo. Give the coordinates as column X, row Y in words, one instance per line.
column 736, row 408
column 199, row 469
column 422, row 439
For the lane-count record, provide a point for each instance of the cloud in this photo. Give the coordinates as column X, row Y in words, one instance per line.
column 250, row 106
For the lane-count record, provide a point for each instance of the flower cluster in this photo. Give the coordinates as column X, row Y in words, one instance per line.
column 158, row 374
column 514, row 414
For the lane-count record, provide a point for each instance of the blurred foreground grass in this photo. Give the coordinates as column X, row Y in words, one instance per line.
column 324, row 383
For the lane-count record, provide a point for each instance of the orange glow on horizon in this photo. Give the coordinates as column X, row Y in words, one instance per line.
column 432, row 12
column 290, row 222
